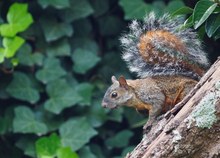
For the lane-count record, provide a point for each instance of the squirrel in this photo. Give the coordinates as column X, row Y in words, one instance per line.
column 168, row 60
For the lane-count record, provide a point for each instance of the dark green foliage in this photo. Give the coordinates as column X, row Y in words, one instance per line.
column 25, row 121
column 205, row 13
column 66, row 52
column 21, row 88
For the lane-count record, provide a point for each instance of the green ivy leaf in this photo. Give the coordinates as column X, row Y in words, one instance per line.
column 51, row 70
column 76, row 133
column 183, row 10
column 11, row 45
column 54, row 30
column 96, row 114
column 25, row 122
column 202, row 11
column 86, row 153
column 37, row 58
column 120, row 140
column 59, row 48
column 174, row 5
column 84, row 60
column 50, row 147
column 21, row 88
column 78, row 9
column 62, row 95
column 85, row 91
column 85, row 44
column 97, row 150
column 27, row 144
column 46, row 147
column 19, row 20
column 26, row 57
column 212, row 24
column 201, row 32
column 66, row 152
column 8, row 30
column 58, row 4
column 134, row 9
column 18, row 13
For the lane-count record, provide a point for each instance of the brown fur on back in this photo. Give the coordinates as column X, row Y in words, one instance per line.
column 171, row 86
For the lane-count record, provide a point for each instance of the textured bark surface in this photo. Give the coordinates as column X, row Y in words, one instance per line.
column 193, row 131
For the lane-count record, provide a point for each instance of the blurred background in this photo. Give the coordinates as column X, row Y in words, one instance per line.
column 57, row 58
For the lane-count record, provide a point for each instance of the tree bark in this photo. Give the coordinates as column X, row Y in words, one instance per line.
column 191, row 129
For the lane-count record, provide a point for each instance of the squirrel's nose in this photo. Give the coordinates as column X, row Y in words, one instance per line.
column 104, row 104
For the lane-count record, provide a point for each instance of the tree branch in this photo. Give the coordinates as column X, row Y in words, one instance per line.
column 192, row 131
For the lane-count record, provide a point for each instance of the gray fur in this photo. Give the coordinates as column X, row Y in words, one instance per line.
column 154, row 95
column 189, row 38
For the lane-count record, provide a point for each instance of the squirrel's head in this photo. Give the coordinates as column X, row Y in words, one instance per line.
column 119, row 93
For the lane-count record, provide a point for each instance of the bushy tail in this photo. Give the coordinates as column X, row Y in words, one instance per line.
column 159, row 47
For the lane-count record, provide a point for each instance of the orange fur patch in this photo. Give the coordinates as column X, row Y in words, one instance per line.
column 153, row 56
column 166, row 37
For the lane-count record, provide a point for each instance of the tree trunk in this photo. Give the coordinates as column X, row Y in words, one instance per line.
column 193, row 131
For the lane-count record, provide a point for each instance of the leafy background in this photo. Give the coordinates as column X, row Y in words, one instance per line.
column 52, row 83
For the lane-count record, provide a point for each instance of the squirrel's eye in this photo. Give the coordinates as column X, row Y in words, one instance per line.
column 114, row 95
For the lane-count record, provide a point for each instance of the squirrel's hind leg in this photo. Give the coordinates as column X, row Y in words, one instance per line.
column 178, row 96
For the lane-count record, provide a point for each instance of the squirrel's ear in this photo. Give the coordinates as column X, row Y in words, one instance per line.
column 123, row 82
column 114, row 79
